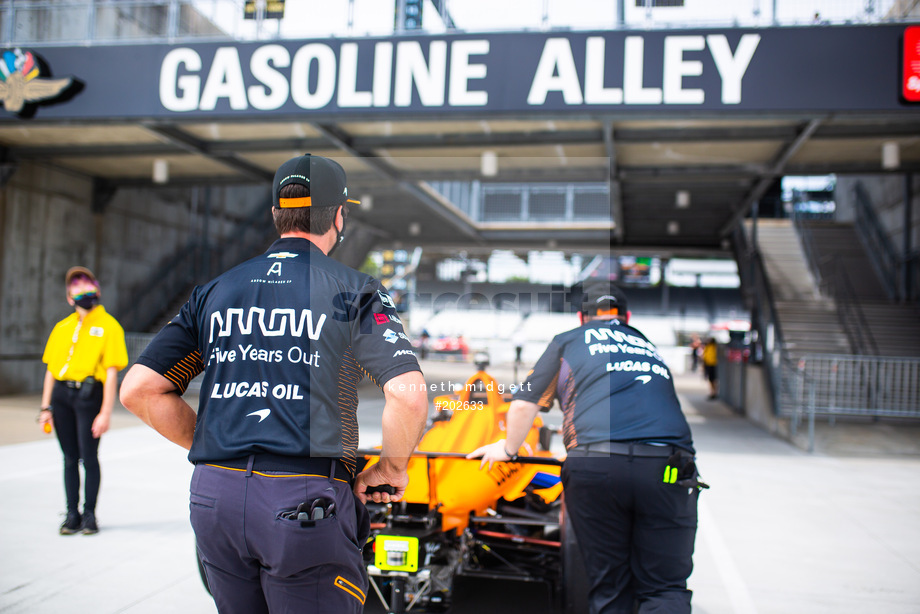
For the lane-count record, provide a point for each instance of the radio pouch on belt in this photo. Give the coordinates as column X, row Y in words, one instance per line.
column 681, row 471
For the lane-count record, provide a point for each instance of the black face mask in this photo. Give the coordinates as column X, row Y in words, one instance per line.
column 339, row 235
column 86, row 301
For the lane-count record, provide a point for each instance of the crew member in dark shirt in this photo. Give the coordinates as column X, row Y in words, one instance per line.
column 283, row 340
column 629, row 478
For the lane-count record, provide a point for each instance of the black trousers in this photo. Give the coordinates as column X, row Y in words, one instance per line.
column 635, row 532
column 74, row 412
column 258, row 561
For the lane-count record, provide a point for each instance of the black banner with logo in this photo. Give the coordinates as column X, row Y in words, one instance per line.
column 845, row 68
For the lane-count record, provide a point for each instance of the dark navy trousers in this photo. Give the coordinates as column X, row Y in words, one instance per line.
column 259, row 561
column 635, row 533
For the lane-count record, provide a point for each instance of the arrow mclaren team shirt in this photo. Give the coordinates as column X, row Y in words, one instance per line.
column 612, row 385
column 283, row 340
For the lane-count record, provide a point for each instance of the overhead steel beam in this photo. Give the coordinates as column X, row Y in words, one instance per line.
column 95, row 151
column 479, row 139
column 192, row 144
column 776, row 169
column 549, row 234
column 713, row 186
column 844, row 168
column 520, row 175
column 658, row 173
column 436, row 250
column 343, row 141
column 441, row 7
column 631, row 180
column 707, row 134
column 368, row 144
column 716, row 133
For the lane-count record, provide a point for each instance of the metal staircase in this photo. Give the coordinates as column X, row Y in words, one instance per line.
column 809, row 320
column 821, row 344
column 847, row 273
column 151, row 304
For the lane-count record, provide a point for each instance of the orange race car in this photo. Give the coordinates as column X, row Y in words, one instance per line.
column 457, row 520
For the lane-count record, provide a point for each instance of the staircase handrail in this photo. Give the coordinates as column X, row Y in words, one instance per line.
column 849, row 310
column 911, row 265
column 837, row 286
column 754, row 275
column 179, row 271
column 880, row 249
column 806, row 238
column 258, row 217
column 176, row 272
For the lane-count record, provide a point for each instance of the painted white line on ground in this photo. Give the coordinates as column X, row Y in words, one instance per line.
column 737, row 590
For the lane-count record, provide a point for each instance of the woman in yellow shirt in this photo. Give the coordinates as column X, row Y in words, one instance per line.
column 84, row 354
column 711, row 367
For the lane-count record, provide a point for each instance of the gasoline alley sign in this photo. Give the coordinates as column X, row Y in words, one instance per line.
column 318, row 77
column 769, row 69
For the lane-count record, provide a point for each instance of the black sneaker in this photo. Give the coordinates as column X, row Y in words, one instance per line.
column 71, row 524
column 89, row 523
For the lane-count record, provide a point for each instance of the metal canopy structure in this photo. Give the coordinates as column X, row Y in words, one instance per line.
column 724, row 165
column 679, row 177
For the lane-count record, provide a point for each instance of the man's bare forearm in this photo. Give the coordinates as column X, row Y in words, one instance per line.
column 520, row 418
column 404, row 417
column 173, row 418
column 153, row 399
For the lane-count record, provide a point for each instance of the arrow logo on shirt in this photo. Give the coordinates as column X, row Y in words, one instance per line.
column 261, row 413
column 644, row 378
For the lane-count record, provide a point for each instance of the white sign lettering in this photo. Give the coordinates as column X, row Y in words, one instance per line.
column 438, row 73
column 556, row 71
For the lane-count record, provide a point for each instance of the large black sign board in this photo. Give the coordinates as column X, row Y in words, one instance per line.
column 745, row 71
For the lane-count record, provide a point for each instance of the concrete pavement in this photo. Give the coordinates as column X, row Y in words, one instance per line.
column 781, row 531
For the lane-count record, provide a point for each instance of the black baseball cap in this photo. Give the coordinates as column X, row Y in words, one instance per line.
column 602, row 297
column 325, row 179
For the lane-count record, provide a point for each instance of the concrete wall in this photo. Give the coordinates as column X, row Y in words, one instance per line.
column 758, row 402
column 47, row 225
column 887, row 195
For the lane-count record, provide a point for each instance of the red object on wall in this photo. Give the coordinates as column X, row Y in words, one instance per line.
column 910, row 82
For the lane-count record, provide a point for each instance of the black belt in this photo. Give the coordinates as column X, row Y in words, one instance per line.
column 625, row 449
column 312, row 465
column 89, row 381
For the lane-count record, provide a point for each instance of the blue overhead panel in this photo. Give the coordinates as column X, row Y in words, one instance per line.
column 744, row 71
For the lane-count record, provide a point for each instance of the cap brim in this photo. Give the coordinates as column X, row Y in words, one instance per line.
column 77, row 270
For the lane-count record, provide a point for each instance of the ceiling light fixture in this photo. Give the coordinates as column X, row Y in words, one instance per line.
column 891, row 155
column 160, row 170
column 488, row 164
column 682, row 199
